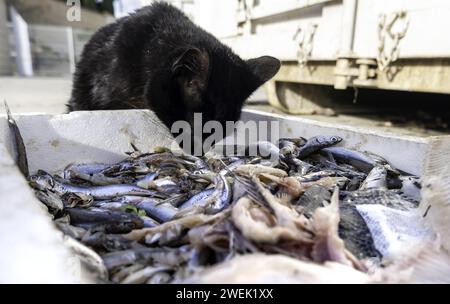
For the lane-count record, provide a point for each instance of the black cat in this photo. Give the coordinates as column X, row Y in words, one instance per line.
column 158, row 59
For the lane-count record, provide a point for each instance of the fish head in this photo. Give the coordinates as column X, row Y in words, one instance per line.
column 42, row 181
column 324, row 140
column 335, row 139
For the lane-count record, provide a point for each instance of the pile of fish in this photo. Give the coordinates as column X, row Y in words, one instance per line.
column 165, row 217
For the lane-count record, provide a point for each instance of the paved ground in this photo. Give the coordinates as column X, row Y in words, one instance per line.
column 44, row 95
column 48, row 95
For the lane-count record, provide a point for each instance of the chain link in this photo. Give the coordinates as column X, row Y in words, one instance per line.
column 304, row 38
column 386, row 24
column 247, row 6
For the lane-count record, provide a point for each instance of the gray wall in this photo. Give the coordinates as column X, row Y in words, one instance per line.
column 5, row 60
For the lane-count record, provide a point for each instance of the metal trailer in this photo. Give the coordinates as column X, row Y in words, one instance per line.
column 340, row 44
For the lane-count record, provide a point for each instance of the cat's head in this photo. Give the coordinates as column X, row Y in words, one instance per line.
column 214, row 82
column 217, row 83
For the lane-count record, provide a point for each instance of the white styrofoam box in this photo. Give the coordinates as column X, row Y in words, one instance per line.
column 32, row 248
column 54, row 141
column 406, row 153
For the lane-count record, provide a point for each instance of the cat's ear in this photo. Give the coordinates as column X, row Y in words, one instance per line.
column 191, row 70
column 264, row 68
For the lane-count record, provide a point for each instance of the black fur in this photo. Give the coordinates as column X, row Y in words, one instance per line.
column 158, row 59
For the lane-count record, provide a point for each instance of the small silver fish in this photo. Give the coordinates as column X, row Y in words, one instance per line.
column 19, row 146
column 92, row 173
column 87, row 169
column 311, row 177
column 161, row 212
column 144, row 275
column 44, row 180
column 109, row 242
column 144, row 182
column 114, row 260
column 149, row 222
column 264, row 149
column 109, row 205
column 214, row 201
column 51, row 200
column 200, row 164
column 376, row 179
column 166, row 185
column 317, row 143
column 231, row 167
column 355, row 158
column 112, row 221
column 196, row 199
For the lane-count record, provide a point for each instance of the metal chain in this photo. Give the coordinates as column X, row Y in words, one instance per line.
column 248, row 6
column 304, row 39
column 385, row 29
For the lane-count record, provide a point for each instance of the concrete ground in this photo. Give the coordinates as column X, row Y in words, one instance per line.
column 375, row 123
column 48, row 95
column 41, row 95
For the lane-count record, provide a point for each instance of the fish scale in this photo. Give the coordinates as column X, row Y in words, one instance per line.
column 356, row 234
column 386, row 198
column 352, row 227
